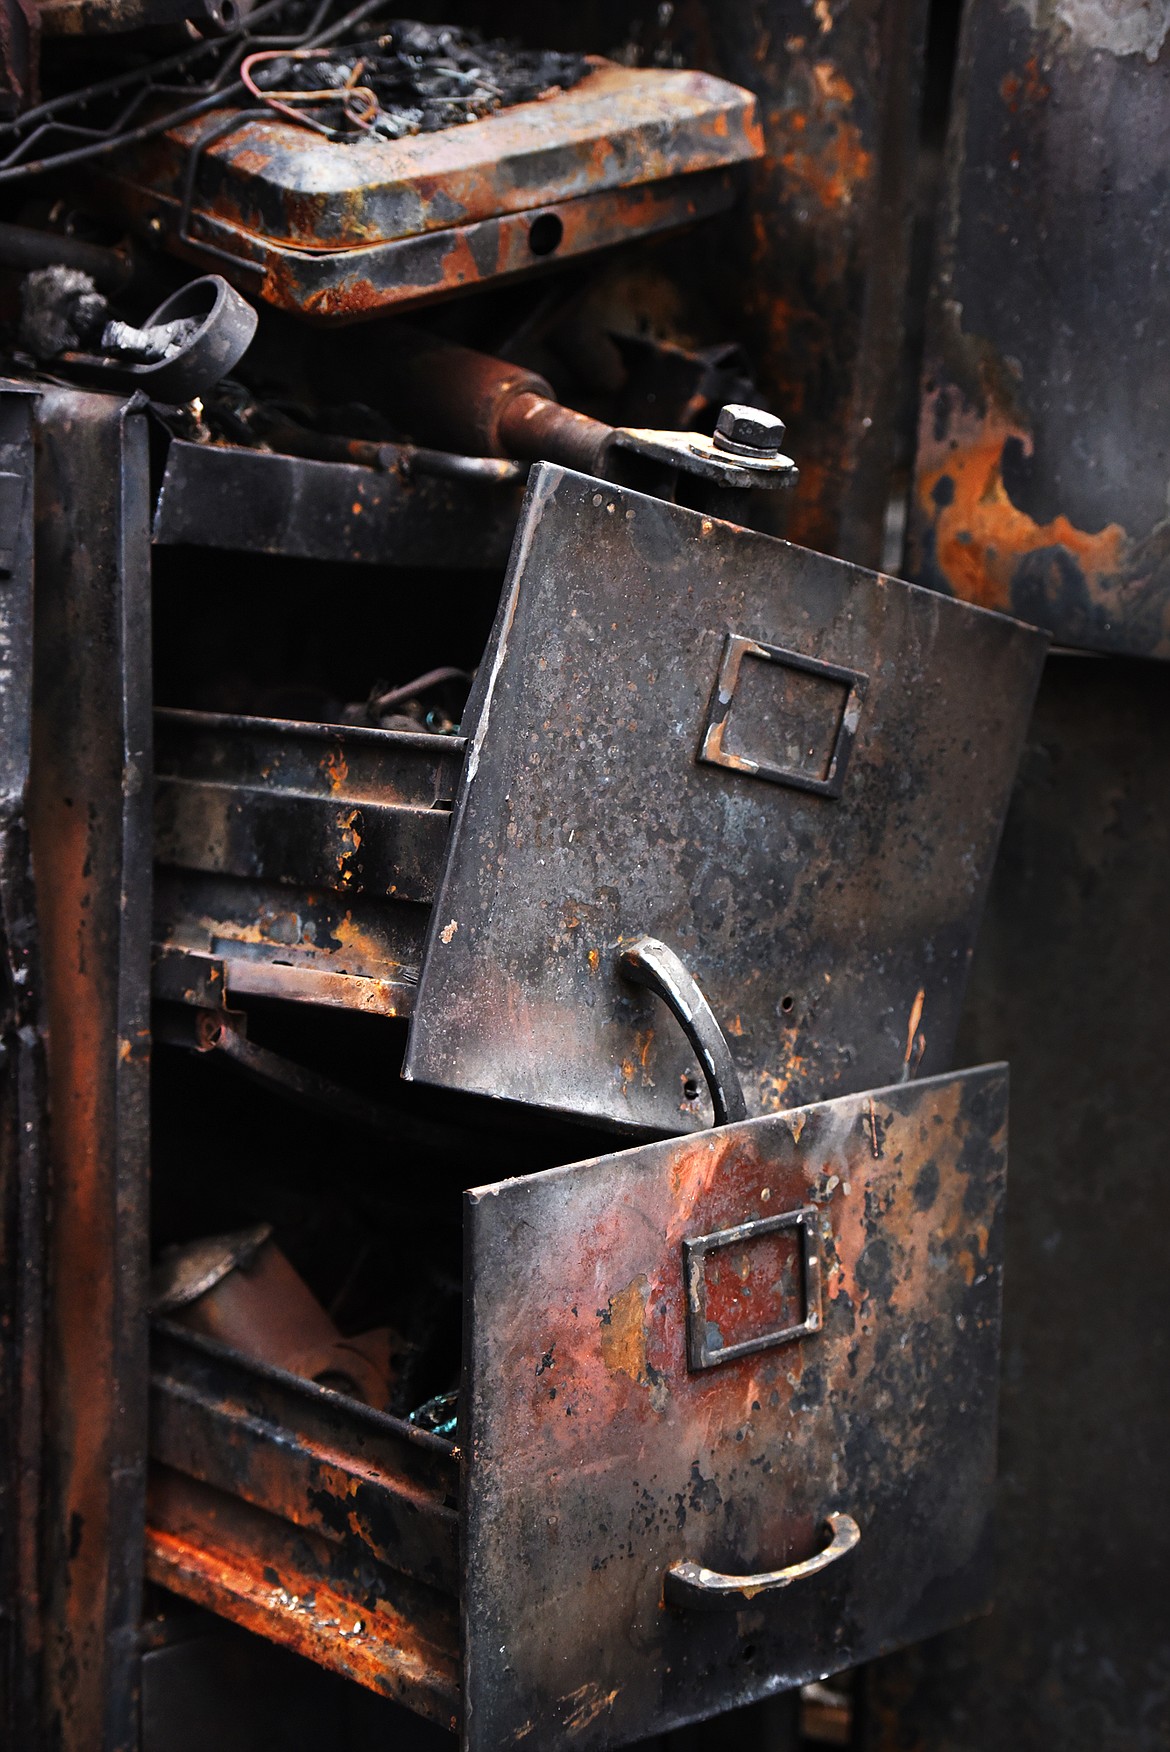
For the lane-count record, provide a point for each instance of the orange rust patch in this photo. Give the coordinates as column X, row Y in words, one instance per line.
column 825, row 156
column 980, row 535
column 336, row 769
column 623, row 1332
column 1030, row 89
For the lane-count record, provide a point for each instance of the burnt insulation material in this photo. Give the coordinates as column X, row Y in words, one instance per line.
column 422, row 77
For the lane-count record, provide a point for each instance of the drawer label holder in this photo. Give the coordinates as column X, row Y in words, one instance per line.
column 727, row 1256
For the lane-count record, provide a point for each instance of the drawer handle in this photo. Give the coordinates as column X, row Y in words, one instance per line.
column 689, row 1584
column 651, row 964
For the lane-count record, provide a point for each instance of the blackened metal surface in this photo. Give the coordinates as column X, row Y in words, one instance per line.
column 830, row 934
column 809, row 270
column 304, row 857
column 89, row 817
column 1072, row 980
column 72, row 18
column 22, row 1102
column 20, row 41
column 255, row 501
column 1043, row 455
column 354, row 283
column 817, row 256
column 308, row 1517
column 342, row 229
column 596, row 1458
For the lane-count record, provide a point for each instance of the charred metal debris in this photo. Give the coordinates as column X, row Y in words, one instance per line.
column 525, row 903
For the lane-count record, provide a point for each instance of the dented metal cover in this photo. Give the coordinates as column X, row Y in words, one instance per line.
column 790, row 771
column 344, row 229
column 610, row 1468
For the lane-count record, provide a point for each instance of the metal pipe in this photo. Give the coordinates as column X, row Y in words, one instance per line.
column 26, row 248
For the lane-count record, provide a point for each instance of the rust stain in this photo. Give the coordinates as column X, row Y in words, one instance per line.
column 979, row 535
column 916, row 1009
column 623, row 1332
column 336, row 768
column 825, row 158
column 349, row 825
column 589, row 1701
column 1030, row 89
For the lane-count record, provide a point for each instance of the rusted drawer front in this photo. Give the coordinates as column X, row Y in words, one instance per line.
column 622, row 1420
column 790, row 771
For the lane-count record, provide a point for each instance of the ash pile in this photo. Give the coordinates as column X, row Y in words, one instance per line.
column 410, row 79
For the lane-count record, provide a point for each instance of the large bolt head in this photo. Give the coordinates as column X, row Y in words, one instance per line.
column 748, row 431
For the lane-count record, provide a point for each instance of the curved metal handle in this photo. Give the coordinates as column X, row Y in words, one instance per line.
column 650, row 963
column 689, row 1584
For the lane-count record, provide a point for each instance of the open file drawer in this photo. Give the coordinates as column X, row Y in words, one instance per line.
column 791, row 771
column 680, row 1361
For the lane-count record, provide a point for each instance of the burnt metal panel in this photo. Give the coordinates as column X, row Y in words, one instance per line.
column 814, row 264
column 89, row 819
column 1043, row 454
column 810, row 269
column 304, row 857
column 1072, row 980
column 375, row 277
column 602, row 1468
column 343, row 229
column 255, row 501
column 23, row 1187
column 829, row 933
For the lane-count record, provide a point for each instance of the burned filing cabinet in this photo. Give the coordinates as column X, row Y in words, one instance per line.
column 727, row 1407
column 726, row 1402
column 727, row 1423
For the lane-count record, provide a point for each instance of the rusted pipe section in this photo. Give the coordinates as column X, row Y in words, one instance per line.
column 535, row 428
column 25, row 247
column 464, row 401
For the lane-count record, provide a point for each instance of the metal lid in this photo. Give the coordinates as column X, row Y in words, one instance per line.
column 186, row 1272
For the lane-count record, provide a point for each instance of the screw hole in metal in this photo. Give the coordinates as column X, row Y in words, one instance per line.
column 691, row 1088
column 787, row 1002
column 545, row 234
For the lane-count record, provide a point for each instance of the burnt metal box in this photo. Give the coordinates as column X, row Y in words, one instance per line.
column 727, row 1423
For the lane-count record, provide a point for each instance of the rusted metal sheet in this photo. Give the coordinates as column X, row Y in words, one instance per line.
column 809, row 271
column 608, row 1475
column 351, row 284
column 1042, row 464
column 23, row 1180
column 89, row 818
column 818, row 254
column 1075, row 1654
column 343, row 230
column 790, row 772
column 307, row 1517
column 304, row 857
column 257, row 501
